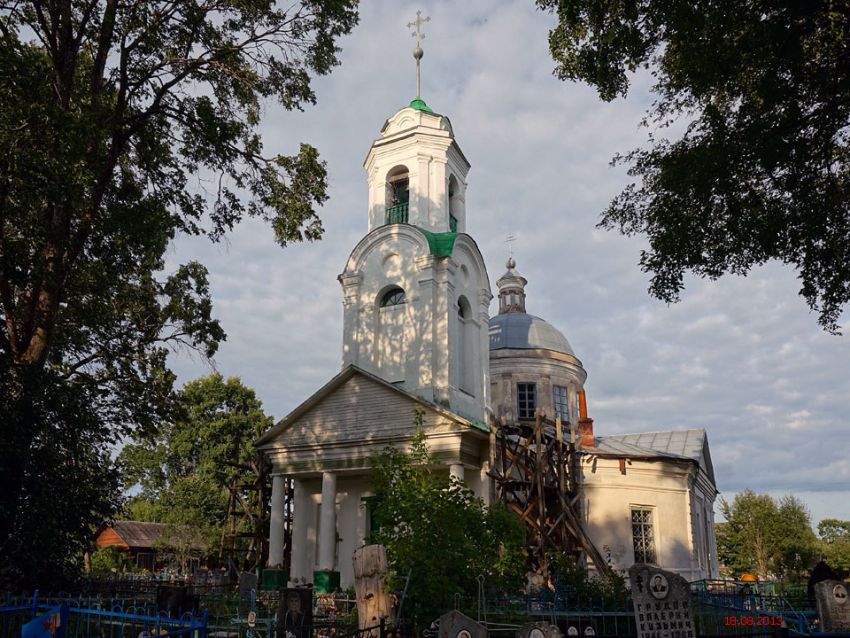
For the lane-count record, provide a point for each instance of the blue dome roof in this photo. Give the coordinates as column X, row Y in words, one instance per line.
column 519, row 330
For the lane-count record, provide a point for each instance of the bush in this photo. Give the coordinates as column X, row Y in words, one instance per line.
column 436, row 530
column 105, row 560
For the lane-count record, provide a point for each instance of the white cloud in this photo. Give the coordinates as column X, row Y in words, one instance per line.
column 741, row 357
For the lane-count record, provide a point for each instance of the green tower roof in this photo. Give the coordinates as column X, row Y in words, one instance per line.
column 441, row 244
column 419, row 105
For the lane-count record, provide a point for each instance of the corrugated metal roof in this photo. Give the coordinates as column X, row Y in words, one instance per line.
column 138, row 533
column 674, row 444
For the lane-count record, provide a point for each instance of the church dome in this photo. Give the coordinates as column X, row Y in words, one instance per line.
column 513, row 327
column 520, row 330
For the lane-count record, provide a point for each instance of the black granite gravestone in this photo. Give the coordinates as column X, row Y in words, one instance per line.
column 295, row 612
column 247, row 584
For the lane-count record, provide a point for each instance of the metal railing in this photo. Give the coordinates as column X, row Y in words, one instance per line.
column 397, row 214
column 88, row 618
column 756, row 606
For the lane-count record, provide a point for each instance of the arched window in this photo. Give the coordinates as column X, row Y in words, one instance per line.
column 393, row 297
column 460, row 310
column 398, row 195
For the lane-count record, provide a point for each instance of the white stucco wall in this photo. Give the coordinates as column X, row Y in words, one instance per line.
column 667, row 489
column 351, row 526
column 544, row 368
column 424, row 144
column 419, row 344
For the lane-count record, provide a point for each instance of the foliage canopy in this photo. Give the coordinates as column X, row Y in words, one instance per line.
column 766, row 537
column 122, row 126
column 835, row 542
column 185, row 471
column 762, row 170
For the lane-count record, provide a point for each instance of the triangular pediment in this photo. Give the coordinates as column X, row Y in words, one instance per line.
column 357, row 408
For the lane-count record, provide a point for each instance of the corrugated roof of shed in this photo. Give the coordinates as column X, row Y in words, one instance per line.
column 138, row 533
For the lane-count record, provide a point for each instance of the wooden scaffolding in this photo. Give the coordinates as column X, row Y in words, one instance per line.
column 245, row 534
column 536, row 472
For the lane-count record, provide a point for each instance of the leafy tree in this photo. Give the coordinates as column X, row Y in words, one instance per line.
column 184, row 473
column 122, row 126
column 764, row 537
column 748, row 542
column 761, row 170
column 179, row 544
column 798, row 547
column 440, row 533
column 70, row 488
column 835, row 542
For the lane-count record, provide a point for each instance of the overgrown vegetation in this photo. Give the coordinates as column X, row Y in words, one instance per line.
column 439, row 533
column 590, row 592
column 772, row 539
column 184, row 472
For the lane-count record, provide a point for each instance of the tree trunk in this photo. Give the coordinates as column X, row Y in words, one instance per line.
column 374, row 603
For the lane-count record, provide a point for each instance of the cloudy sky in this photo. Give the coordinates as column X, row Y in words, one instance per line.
column 742, row 357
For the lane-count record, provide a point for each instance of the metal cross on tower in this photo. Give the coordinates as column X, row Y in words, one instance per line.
column 417, row 52
column 509, row 241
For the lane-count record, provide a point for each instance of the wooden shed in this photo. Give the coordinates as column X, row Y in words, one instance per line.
column 137, row 538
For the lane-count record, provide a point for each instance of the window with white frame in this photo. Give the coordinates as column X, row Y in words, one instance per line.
column 643, row 537
column 560, row 397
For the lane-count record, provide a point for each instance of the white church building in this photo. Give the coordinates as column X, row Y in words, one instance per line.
column 417, row 331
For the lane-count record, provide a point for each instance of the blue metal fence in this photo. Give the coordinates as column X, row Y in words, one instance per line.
column 96, row 618
column 737, row 607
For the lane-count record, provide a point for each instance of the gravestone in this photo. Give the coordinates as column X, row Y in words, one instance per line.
column 174, row 600
column 457, row 625
column 833, row 605
column 247, row 584
column 295, row 612
column 821, row 571
column 662, row 603
column 539, row 630
column 370, row 585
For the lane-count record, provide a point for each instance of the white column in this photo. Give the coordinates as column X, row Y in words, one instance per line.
column 456, row 470
column 327, row 532
column 276, row 525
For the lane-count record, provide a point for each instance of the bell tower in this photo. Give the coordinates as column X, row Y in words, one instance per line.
column 415, row 289
column 416, row 172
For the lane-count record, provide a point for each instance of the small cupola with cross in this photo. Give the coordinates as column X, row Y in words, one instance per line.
column 511, row 289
